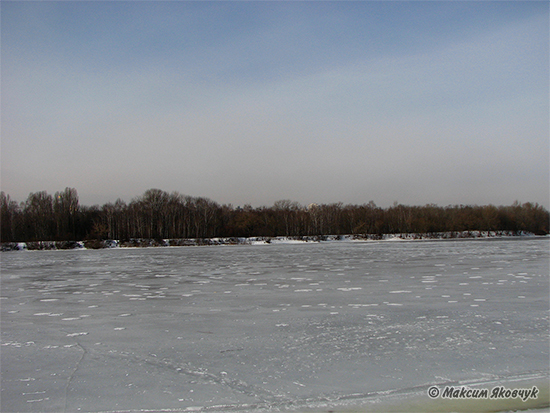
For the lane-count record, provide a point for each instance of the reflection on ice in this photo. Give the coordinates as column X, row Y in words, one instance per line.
column 310, row 326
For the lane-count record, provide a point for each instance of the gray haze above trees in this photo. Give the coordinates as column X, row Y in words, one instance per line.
column 441, row 102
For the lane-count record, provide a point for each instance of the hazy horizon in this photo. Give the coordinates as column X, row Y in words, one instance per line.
column 254, row 102
column 138, row 197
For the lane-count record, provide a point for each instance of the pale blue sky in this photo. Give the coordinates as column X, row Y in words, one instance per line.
column 252, row 102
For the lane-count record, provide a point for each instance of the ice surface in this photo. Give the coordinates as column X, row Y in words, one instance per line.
column 271, row 327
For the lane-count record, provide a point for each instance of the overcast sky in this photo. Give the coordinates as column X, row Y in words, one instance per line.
column 253, row 102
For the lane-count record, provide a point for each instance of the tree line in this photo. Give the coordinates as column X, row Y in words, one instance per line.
column 160, row 215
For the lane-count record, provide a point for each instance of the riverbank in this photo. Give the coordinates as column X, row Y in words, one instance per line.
column 179, row 242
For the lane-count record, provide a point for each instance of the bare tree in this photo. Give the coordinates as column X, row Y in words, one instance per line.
column 65, row 207
column 38, row 211
column 9, row 218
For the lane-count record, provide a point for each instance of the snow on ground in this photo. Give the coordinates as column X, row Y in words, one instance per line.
column 144, row 242
column 308, row 327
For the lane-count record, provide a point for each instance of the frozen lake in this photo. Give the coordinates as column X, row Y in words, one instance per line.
column 314, row 326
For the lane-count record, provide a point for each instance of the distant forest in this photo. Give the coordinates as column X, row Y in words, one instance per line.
column 160, row 215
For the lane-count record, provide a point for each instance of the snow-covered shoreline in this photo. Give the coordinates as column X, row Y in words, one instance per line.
column 179, row 242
